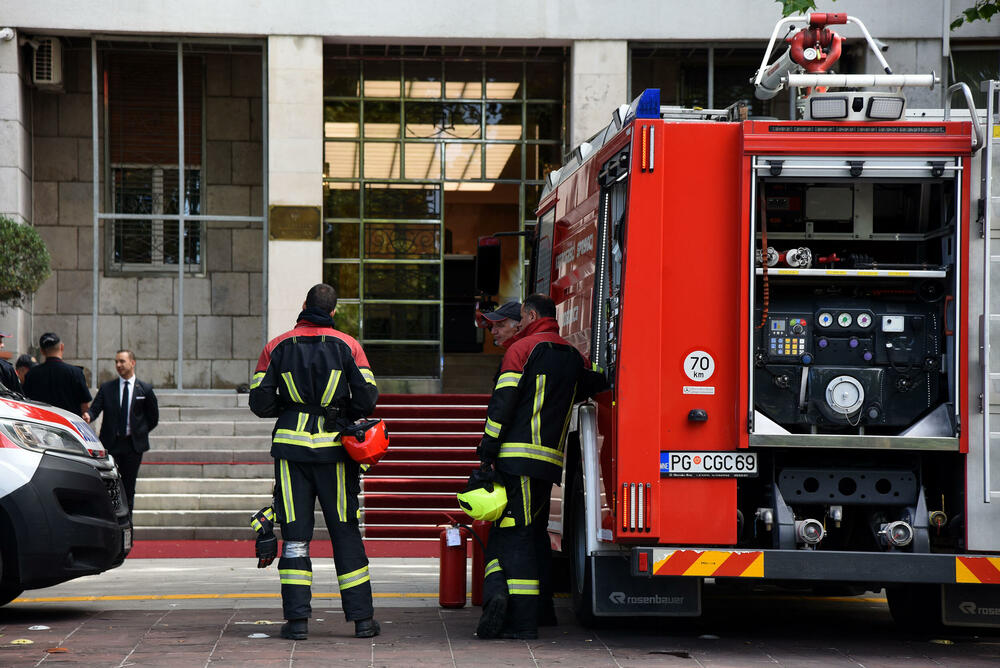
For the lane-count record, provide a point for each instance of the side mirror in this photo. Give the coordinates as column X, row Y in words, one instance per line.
column 488, row 265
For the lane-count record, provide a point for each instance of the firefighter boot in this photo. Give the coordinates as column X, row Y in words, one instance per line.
column 366, row 628
column 295, row 629
column 494, row 614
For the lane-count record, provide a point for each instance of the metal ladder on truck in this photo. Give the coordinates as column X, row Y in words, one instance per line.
column 984, row 492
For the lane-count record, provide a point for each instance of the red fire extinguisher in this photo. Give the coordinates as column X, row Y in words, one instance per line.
column 480, row 528
column 451, row 583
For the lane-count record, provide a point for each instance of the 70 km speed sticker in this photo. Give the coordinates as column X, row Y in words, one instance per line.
column 699, row 365
column 708, row 464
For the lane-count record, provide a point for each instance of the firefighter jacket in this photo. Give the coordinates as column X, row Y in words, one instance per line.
column 302, row 373
column 526, row 422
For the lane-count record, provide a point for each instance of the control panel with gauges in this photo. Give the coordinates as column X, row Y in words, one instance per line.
column 827, row 363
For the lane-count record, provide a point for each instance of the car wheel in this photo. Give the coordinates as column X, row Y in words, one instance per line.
column 915, row 607
column 8, row 594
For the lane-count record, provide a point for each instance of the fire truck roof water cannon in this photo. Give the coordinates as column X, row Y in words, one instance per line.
column 814, row 404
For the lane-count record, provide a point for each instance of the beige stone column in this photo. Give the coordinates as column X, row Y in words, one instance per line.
column 15, row 167
column 598, row 84
column 295, row 168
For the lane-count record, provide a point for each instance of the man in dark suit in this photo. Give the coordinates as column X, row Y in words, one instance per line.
column 130, row 413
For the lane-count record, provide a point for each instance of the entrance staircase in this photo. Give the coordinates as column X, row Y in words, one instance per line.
column 209, row 469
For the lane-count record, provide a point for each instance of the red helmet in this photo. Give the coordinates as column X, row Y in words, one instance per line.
column 366, row 441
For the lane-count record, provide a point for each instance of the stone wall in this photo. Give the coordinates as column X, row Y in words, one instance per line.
column 223, row 325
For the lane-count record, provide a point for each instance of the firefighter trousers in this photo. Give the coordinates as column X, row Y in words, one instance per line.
column 518, row 553
column 336, row 485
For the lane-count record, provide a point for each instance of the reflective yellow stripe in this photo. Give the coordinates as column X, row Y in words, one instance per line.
column 532, row 451
column 367, row 375
column 353, row 579
column 507, row 522
column 526, row 493
column 341, row 493
column 300, row 425
column 331, row 387
column 255, row 524
column 523, row 587
column 329, row 439
column 536, row 412
column 493, row 567
column 492, row 428
column 290, row 384
column 257, row 379
column 286, row 491
column 269, row 513
column 291, row 576
column 509, row 379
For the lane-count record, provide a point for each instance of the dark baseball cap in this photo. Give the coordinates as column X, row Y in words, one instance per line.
column 511, row 310
column 47, row 340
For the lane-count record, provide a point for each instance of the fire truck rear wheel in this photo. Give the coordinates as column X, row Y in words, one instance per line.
column 581, row 582
column 915, row 607
column 7, row 592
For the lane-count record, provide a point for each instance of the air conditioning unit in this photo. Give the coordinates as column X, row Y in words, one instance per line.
column 48, row 67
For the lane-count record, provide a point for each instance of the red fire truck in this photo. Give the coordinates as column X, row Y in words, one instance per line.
column 795, row 319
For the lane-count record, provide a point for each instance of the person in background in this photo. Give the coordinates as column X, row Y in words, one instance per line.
column 8, row 376
column 55, row 382
column 503, row 323
column 131, row 411
column 23, row 365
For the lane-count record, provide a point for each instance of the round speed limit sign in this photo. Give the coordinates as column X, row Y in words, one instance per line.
column 699, row 365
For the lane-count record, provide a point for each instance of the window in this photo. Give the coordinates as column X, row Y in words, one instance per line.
column 143, row 177
column 973, row 65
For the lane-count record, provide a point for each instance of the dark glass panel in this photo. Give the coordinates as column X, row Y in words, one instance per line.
column 381, row 78
column 503, row 121
column 394, row 360
column 346, row 319
column 341, row 159
column 422, row 79
column 503, row 161
column 341, row 118
column 402, row 201
column 542, row 159
column 382, row 119
column 503, row 80
column 402, row 321
column 340, row 78
column 545, row 80
column 463, row 79
column 402, row 281
column 341, row 240
column 341, row 200
column 344, row 277
column 544, row 121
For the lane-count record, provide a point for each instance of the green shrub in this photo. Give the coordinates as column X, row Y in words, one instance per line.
column 24, row 262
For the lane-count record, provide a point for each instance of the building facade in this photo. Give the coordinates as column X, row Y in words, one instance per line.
column 194, row 168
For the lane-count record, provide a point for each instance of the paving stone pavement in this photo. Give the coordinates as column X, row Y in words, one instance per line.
column 148, row 613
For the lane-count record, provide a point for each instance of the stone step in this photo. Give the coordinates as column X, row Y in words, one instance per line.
column 263, row 469
column 153, row 486
column 188, row 532
column 244, row 502
column 194, row 442
column 184, row 398
column 206, row 456
column 202, row 518
column 215, row 428
column 202, row 414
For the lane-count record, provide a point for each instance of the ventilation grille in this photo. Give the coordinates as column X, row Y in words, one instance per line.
column 47, row 70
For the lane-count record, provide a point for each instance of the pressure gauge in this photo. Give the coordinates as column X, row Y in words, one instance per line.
column 844, row 319
column 864, row 320
column 824, row 319
column 845, row 395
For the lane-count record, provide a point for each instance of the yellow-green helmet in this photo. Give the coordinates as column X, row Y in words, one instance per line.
column 483, row 504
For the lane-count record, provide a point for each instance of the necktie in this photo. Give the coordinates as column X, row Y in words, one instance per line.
column 123, row 413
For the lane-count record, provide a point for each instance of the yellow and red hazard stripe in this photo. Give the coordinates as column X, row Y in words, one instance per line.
column 977, row 570
column 709, row 563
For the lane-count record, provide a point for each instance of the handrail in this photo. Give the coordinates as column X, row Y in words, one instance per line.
column 971, row 105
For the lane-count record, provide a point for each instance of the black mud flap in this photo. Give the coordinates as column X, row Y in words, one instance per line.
column 618, row 593
column 971, row 605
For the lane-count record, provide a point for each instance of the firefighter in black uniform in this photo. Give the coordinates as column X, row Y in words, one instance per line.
column 314, row 378
column 541, row 377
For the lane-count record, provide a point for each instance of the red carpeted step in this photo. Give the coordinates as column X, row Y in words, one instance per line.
column 397, row 454
column 382, row 517
column 408, row 499
column 448, row 399
column 433, row 441
column 442, row 485
column 435, row 425
column 431, row 411
column 420, row 469
column 402, row 531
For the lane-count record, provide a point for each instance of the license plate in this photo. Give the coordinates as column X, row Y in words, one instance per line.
column 708, row 464
column 127, row 539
